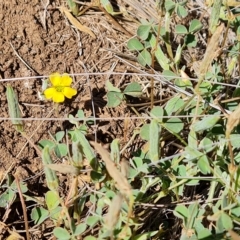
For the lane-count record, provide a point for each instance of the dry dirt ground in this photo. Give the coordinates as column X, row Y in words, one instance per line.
column 37, row 40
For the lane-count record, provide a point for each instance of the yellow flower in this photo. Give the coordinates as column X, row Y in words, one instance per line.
column 60, row 88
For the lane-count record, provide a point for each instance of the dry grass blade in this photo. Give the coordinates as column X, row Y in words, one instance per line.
column 233, row 121
column 14, row 236
column 124, row 167
column 112, row 216
column 76, row 23
column 121, row 181
column 232, row 3
column 144, row 9
column 211, row 50
column 64, row 168
column 234, row 235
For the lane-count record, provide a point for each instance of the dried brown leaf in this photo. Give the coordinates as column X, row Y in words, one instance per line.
column 121, row 181
column 64, row 168
column 233, row 121
column 76, row 23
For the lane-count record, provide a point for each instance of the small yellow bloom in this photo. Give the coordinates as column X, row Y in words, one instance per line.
column 60, row 88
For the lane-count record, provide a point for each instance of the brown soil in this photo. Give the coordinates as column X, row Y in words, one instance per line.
column 37, row 40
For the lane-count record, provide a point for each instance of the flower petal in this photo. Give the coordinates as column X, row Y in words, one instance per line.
column 66, row 80
column 55, row 79
column 58, row 97
column 69, row 92
column 49, row 93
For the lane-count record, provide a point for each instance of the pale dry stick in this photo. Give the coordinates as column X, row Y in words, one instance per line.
column 32, row 105
column 230, row 100
column 130, row 141
column 120, row 54
column 121, row 79
column 43, row 15
column 94, row 191
column 145, row 85
column 24, row 62
column 79, row 43
column 109, row 72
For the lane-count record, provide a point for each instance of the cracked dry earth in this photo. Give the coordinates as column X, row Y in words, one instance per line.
column 37, row 40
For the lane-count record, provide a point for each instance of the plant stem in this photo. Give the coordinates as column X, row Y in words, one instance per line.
column 23, row 208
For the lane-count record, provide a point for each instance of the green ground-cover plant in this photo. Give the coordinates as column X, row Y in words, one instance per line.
column 10, row 194
column 206, row 136
column 150, row 33
column 115, row 96
column 189, row 149
column 65, row 211
column 117, row 222
column 149, row 42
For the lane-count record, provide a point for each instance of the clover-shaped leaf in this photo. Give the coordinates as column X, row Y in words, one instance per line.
column 135, row 45
column 195, row 25
column 133, row 89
